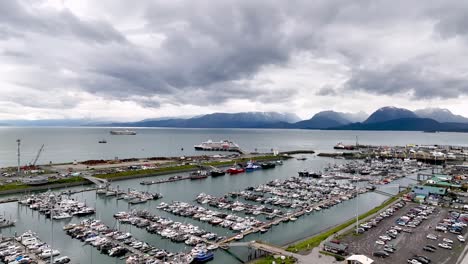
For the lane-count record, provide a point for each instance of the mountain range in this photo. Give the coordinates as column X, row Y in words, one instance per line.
column 385, row 118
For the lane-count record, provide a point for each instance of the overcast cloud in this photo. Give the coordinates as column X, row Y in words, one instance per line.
column 131, row 60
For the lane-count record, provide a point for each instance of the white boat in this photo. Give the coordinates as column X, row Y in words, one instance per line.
column 62, row 216
column 48, row 253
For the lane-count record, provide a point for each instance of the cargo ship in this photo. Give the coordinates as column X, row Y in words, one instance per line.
column 123, row 132
column 224, row 145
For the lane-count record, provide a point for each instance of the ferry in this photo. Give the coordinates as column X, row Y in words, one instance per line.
column 123, row 132
column 224, row 145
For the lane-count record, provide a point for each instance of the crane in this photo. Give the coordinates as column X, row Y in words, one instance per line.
column 33, row 164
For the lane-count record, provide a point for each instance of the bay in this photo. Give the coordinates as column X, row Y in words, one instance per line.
column 66, row 144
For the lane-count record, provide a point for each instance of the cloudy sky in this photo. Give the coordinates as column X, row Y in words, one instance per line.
column 129, row 60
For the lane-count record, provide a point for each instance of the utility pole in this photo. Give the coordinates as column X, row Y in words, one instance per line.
column 19, row 157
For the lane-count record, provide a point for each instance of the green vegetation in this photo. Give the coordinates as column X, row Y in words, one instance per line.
column 169, row 169
column 270, row 259
column 337, row 257
column 67, row 180
column 316, row 240
column 12, row 186
column 138, row 173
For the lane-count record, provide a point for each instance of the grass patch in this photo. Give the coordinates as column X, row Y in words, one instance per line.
column 316, row 240
column 12, row 186
column 137, row 173
column 67, row 180
column 336, row 256
column 169, row 169
column 270, row 259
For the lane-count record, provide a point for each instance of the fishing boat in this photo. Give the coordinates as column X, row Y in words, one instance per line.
column 197, row 175
column 268, row 165
column 235, row 170
column 251, row 166
column 203, row 257
column 216, row 173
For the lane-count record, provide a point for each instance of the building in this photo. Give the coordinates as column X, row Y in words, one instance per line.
column 359, row 259
column 425, row 190
column 336, row 248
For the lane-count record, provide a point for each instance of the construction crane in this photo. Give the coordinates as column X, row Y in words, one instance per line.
column 33, row 164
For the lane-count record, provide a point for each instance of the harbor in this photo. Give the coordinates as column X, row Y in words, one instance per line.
column 269, row 221
column 199, row 208
column 187, row 191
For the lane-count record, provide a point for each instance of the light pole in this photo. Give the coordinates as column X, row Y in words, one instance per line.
column 357, row 204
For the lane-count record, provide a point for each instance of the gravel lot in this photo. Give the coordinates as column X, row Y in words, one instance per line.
column 407, row 244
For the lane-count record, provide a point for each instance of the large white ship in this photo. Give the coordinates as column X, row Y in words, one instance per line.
column 224, row 145
column 123, row 132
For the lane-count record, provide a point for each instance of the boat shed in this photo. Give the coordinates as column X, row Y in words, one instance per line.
column 335, row 248
column 359, row 259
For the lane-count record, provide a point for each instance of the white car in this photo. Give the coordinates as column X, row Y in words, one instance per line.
column 413, row 261
column 445, row 245
column 380, row 242
column 461, row 238
column 431, row 236
column 447, row 240
column 385, row 238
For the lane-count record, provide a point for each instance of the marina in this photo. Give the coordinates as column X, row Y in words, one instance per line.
column 250, row 226
column 199, row 214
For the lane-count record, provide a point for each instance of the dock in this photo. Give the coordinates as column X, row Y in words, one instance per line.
column 9, row 200
column 285, row 218
column 181, row 178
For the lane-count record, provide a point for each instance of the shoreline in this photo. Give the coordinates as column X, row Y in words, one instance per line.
column 132, row 175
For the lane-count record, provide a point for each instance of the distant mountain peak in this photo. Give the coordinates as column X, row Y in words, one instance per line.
column 441, row 115
column 388, row 113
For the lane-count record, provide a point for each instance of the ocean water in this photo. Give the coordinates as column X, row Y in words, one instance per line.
column 68, row 144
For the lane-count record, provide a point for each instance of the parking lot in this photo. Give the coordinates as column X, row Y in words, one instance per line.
column 407, row 245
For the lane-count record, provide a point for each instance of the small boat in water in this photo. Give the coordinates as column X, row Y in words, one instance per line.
column 216, row 173
column 203, row 257
column 197, row 175
column 102, row 141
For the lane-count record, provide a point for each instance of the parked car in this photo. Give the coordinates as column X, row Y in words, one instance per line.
column 461, row 238
column 445, row 245
column 431, row 236
column 446, row 240
column 380, row 254
column 423, row 259
column 428, row 249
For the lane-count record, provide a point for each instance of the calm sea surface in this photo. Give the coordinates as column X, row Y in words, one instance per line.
column 68, row 144
column 65, row 144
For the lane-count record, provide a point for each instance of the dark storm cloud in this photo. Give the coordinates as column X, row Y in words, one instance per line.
column 210, row 50
column 413, row 80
